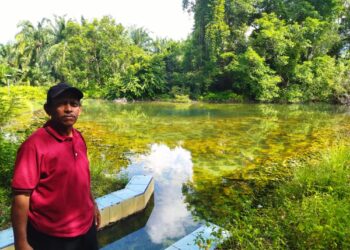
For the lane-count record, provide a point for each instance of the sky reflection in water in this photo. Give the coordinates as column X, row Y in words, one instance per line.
column 170, row 219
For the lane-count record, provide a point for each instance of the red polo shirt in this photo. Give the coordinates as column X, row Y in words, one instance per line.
column 56, row 169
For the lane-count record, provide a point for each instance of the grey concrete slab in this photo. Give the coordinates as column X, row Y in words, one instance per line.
column 11, row 247
column 187, row 242
column 125, row 194
column 172, row 248
column 103, row 202
column 200, row 235
column 139, row 189
column 140, row 180
column 104, row 205
column 6, row 238
column 113, row 199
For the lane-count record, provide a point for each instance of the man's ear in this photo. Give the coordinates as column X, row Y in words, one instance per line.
column 47, row 109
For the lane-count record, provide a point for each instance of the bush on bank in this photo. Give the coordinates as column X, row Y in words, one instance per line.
column 222, row 97
column 310, row 211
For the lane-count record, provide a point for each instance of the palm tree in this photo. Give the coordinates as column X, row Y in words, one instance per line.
column 31, row 44
column 141, row 38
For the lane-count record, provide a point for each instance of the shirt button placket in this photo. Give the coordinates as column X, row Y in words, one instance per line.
column 75, row 153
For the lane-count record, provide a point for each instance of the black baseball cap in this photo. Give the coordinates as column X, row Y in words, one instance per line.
column 60, row 88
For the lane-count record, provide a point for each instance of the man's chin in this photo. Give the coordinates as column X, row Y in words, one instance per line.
column 68, row 123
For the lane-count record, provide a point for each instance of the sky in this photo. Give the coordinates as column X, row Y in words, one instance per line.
column 162, row 18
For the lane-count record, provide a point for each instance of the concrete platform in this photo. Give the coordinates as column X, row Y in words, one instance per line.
column 113, row 207
column 125, row 202
column 200, row 236
column 6, row 239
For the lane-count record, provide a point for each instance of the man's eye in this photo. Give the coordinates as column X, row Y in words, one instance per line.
column 71, row 103
column 60, row 103
column 74, row 104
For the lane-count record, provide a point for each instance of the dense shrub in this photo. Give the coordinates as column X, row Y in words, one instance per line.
column 222, row 97
column 310, row 211
column 7, row 158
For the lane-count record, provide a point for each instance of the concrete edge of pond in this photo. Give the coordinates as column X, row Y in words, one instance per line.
column 208, row 236
column 113, row 207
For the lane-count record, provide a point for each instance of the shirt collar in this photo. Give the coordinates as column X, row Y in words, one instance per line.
column 50, row 129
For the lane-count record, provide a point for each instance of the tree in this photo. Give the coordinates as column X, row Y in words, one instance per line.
column 253, row 77
column 141, row 38
column 272, row 39
column 31, row 44
column 318, row 78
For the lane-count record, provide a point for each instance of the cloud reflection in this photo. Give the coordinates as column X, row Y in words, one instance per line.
column 170, row 169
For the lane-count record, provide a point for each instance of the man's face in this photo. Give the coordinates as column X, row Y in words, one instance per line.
column 65, row 109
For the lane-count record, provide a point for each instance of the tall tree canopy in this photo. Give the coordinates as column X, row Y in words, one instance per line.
column 283, row 37
column 261, row 50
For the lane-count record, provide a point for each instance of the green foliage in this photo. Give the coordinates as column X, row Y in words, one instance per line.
column 307, row 210
column 99, row 56
column 177, row 91
column 205, row 241
column 292, row 94
column 319, row 37
column 318, row 222
column 141, row 38
column 318, row 78
column 102, row 181
column 222, row 97
column 289, row 40
column 272, row 40
column 182, row 99
column 342, row 88
column 8, row 149
column 297, row 11
column 5, row 196
column 286, row 36
column 217, row 30
column 7, row 158
column 253, row 76
column 143, row 79
column 14, row 101
column 317, row 211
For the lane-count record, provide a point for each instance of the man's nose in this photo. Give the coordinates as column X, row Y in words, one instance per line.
column 68, row 107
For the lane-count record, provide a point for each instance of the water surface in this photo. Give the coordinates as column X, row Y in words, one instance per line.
column 202, row 156
column 212, row 146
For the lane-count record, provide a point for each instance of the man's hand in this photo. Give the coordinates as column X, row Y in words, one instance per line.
column 97, row 216
column 23, row 246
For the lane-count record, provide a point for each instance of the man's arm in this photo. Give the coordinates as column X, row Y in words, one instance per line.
column 19, row 217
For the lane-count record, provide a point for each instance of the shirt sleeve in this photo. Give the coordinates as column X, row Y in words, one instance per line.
column 26, row 173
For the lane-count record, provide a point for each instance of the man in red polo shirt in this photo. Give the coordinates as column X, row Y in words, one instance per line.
column 52, row 204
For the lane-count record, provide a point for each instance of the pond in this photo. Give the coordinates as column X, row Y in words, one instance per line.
column 202, row 156
column 204, row 148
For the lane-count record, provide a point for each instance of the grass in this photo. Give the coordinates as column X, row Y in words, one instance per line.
column 103, row 181
column 311, row 210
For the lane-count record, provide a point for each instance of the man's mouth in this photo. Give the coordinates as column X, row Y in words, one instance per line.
column 68, row 117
